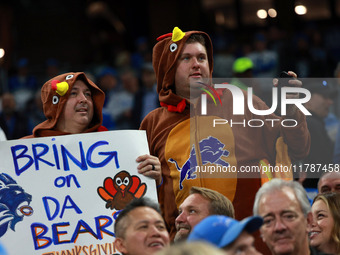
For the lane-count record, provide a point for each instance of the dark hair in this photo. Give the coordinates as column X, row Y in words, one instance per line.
column 120, row 227
column 197, row 38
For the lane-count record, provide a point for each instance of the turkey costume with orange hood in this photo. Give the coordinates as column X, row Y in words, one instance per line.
column 54, row 95
column 184, row 141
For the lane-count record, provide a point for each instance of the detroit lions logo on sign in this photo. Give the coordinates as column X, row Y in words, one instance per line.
column 211, row 151
column 14, row 203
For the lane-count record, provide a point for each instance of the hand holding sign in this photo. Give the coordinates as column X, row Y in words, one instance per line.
column 151, row 167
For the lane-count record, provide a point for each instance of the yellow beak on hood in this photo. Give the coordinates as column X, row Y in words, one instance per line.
column 177, row 34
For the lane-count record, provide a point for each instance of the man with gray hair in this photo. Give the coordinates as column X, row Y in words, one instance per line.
column 285, row 209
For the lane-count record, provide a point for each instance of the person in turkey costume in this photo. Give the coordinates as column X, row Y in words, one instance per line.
column 184, row 141
column 55, row 95
column 73, row 104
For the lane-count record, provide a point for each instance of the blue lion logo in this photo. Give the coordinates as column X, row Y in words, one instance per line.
column 14, row 203
column 211, row 150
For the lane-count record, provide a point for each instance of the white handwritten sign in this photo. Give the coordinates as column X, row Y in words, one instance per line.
column 60, row 195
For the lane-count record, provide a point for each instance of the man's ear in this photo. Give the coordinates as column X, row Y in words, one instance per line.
column 120, row 245
column 309, row 220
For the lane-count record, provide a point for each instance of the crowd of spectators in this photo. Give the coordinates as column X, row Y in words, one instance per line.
column 130, row 85
column 129, row 81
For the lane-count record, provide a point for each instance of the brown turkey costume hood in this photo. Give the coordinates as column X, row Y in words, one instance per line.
column 164, row 58
column 54, row 101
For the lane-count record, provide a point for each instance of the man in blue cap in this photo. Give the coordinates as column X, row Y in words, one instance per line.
column 228, row 234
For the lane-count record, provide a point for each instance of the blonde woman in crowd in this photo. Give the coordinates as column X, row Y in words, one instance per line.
column 324, row 228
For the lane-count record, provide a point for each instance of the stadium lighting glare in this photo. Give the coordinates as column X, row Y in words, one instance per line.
column 300, row 10
column 262, row 14
column 2, row 52
column 272, row 13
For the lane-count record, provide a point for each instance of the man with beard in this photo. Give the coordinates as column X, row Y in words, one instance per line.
column 201, row 203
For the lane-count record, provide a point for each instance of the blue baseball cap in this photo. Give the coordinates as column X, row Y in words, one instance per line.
column 222, row 230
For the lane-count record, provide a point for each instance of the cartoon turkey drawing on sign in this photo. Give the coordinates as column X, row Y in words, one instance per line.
column 120, row 190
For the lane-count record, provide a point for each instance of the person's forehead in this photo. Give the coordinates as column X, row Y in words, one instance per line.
column 193, row 46
column 329, row 178
column 80, row 84
column 194, row 200
column 319, row 205
column 144, row 213
column 330, row 181
column 279, row 201
column 245, row 237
